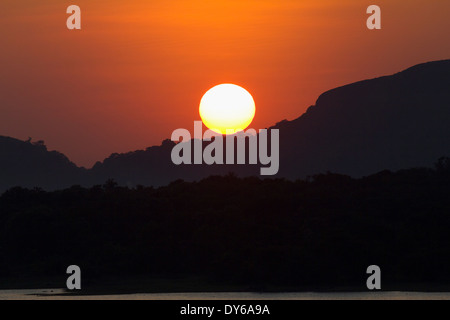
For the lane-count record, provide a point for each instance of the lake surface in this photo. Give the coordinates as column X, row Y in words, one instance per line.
column 55, row 294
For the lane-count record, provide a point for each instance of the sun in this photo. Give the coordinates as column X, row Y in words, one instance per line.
column 227, row 108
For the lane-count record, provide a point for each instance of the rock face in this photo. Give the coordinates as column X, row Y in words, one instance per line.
column 392, row 122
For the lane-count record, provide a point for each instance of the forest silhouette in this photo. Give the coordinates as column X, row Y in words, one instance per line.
column 323, row 231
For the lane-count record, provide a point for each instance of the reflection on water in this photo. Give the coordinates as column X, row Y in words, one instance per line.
column 50, row 294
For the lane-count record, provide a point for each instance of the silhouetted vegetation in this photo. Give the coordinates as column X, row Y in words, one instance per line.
column 324, row 230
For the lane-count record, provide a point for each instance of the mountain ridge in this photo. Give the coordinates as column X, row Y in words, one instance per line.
column 390, row 122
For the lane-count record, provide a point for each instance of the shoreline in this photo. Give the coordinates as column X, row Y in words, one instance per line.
column 59, row 294
column 192, row 285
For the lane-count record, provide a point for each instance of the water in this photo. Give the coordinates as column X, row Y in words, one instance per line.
column 55, row 294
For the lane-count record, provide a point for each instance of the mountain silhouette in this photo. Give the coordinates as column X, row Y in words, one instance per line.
column 388, row 123
column 30, row 164
column 392, row 122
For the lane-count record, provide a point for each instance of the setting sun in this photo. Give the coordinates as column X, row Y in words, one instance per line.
column 227, row 108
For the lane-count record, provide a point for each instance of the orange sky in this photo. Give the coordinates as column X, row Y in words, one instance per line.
column 137, row 69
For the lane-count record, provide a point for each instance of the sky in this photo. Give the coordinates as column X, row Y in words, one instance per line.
column 137, row 70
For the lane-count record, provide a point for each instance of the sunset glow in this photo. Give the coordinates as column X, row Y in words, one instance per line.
column 137, row 69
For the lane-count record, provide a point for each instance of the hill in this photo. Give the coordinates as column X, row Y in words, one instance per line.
column 30, row 164
column 393, row 122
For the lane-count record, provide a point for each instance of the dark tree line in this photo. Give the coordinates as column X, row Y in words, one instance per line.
column 322, row 231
